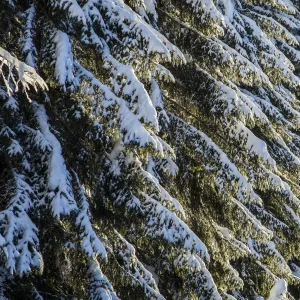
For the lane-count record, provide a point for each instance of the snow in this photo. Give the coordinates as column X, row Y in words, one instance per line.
column 99, row 285
column 151, row 269
column 164, row 197
column 135, row 268
column 225, row 168
column 195, row 264
column 26, row 75
column 150, row 8
column 62, row 198
column 156, row 98
column 11, row 103
column 15, row 148
column 206, row 8
column 18, row 234
column 118, row 12
column 226, row 234
column 90, row 243
column 292, row 214
column 248, row 216
column 63, row 56
column 73, row 8
column 254, row 145
column 164, row 223
column 261, row 120
column 288, row 21
column 130, row 127
column 27, row 43
column 273, row 222
column 132, row 88
column 229, row 9
column 279, row 290
column 296, row 270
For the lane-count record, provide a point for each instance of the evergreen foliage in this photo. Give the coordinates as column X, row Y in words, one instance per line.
column 149, row 149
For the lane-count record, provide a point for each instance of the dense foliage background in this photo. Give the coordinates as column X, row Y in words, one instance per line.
column 149, row 149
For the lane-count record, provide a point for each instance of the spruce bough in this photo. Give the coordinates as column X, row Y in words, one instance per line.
column 149, row 149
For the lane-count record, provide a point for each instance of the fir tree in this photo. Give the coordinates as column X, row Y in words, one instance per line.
column 150, row 149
